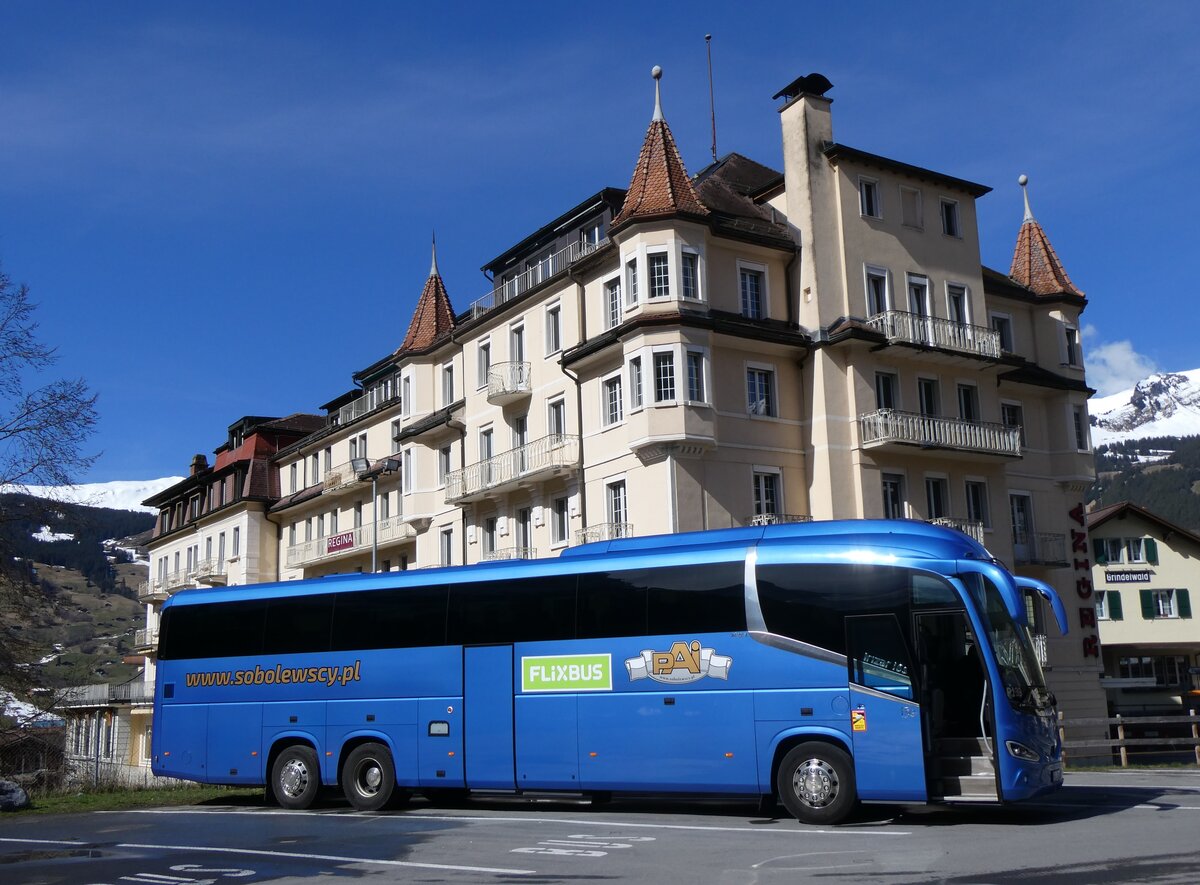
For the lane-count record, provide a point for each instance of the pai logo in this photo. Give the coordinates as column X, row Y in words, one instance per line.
column 683, row 662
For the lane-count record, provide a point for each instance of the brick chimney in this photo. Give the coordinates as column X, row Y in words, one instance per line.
column 199, row 463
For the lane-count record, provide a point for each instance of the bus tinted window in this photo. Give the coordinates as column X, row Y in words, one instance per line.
column 611, row 604
column 299, row 624
column 227, row 629
column 519, row 610
column 698, row 599
column 390, row 619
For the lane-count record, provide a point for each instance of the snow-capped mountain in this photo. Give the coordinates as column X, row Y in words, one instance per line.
column 122, row 494
column 1164, row 404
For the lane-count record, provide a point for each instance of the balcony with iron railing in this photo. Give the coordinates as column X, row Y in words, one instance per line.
column 145, row 640
column 535, row 462
column 505, row 553
column 508, row 383
column 887, row 427
column 208, row 571
column 103, row 695
column 158, row 589
column 392, row 530
column 1039, row 548
column 604, row 531
column 900, row 327
column 969, row 527
column 368, row 402
column 544, row 270
column 777, row 518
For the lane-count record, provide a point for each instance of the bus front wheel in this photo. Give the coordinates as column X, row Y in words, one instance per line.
column 296, row 777
column 815, row 782
column 369, row 778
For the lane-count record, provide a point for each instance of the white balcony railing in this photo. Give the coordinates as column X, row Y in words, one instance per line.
column 152, row 591
column 969, row 527
column 146, row 638
column 885, row 426
column 1039, row 548
column 208, row 571
column 508, row 382
column 357, row 540
column 912, row 328
column 531, row 462
column 510, row 553
column 102, row 695
column 379, row 395
column 777, row 518
column 534, row 276
column 604, row 531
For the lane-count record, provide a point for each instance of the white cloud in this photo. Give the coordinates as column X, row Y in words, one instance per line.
column 1113, row 366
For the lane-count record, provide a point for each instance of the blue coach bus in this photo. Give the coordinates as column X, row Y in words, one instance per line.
column 823, row 663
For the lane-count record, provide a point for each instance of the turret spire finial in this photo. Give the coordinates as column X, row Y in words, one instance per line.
column 433, row 271
column 1023, row 180
column 656, row 73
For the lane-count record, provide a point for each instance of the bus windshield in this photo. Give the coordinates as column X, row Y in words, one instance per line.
column 1020, row 669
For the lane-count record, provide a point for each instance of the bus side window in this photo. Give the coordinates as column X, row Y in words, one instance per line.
column 931, row 591
column 876, row 654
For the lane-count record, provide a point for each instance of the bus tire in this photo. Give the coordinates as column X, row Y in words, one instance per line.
column 296, row 777
column 815, row 782
column 369, row 778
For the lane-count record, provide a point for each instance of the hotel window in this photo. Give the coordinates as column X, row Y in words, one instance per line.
column 910, row 208
column 869, row 203
column 395, row 436
column 616, row 503
column 1163, row 669
column 560, row 522
column 1071, row 343
column 357, row 514
column 612, row 302
column 385, row 505
column 918, row 295
column 950, row 225
column 635, row 383
column 314, row 463
column 877, row 300
column 328, row 458
column 977, row 503
column 556, row 417
column 892, row 487
column 516, row 344
column 406, row 405
column 333, row 522
column 689, row 272
column 612, row 405
column 664, row 377
column 553, row 329
column 320, row 525
column 766, row 493
column 1002, row 326
column 308, row 529
column 443, row 464
column 1135, row 550
column 489, row 535
column 1012, row 415
column 1108, row 605
column 660, row 277
column 760, row 392
column 750, row 282
column 936, row 494
column 956, row 304
column 447, row 384
column 968, row 402
column 446, row 547
column 695, row 376
column 237, row 541
column 295, row 473
column 1165, row 604
column 406, row 471
column 1079, row 423
column 886, row 387
column 484, row 362
column 631, row 283
column 928, row 397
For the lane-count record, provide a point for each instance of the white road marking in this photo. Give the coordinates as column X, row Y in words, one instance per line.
column 45, row 842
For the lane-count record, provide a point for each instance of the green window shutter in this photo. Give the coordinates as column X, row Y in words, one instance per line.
column 1184, row 603
column 1148, row 608
column 1113, row 598
column 1098, row 551
column 1151, row 551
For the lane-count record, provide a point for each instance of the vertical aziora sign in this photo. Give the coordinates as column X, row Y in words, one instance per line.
column 567, row 673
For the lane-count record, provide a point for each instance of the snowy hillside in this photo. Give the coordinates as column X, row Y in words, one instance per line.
column 123, row 494
column 1164, row 404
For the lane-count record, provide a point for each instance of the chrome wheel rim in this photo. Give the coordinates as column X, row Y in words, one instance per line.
column 368, row 778
column 293, row 779
column 815, row 783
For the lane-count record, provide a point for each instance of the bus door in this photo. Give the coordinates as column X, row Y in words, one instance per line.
column 885, row 718
column 488, row 717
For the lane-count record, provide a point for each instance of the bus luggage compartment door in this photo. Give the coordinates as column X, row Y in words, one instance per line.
column 488, row 717
column 885, row 720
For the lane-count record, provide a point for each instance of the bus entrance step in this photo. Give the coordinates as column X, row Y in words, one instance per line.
column 960, row 746
column 967, row 787
column 961, row 766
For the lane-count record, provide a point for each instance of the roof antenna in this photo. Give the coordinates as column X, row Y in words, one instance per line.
column 712, row 106
column 433, row 271
column 1023, row 180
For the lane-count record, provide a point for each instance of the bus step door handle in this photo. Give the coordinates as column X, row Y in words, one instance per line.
column 292, row 719
column 668, row 702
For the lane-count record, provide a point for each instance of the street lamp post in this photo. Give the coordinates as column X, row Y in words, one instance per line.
column 363, row 469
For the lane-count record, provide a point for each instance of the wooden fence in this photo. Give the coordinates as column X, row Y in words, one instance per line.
column 1121, row 746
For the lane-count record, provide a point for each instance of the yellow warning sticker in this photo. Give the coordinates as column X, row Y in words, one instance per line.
column 858, row 719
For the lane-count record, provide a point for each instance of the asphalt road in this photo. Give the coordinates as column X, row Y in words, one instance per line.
column 1101, row 827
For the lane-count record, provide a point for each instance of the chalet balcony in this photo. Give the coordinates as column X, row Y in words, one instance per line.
column 1040, row 548
column 969, row 527
column 209, row 571
column 505, row 553
column 534, row 276
column 145, row 641
column 393, row 530
column 900, row 327
column 536, row 462
column 508, row 383
column 776, row 518
column 887, row 427
column 604, row 531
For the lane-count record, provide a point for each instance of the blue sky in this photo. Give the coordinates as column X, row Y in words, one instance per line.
column 225, row 208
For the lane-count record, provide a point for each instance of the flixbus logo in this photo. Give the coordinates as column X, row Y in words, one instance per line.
column 566, row 673
column 684, row 662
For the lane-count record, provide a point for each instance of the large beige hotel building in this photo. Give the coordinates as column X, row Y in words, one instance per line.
column 741, row 346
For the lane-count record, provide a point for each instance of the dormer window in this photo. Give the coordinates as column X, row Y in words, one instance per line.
column 869, row 204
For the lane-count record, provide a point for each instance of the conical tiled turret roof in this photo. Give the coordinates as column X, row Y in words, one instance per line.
column 660, row 185
column 434, row 316
column 1035, row 264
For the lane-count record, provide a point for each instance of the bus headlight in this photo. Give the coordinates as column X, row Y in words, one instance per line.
column 1021, row 751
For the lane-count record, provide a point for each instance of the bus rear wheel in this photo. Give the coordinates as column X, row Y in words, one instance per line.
column 369, row 778
column 296, row 777
column 815, row 782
